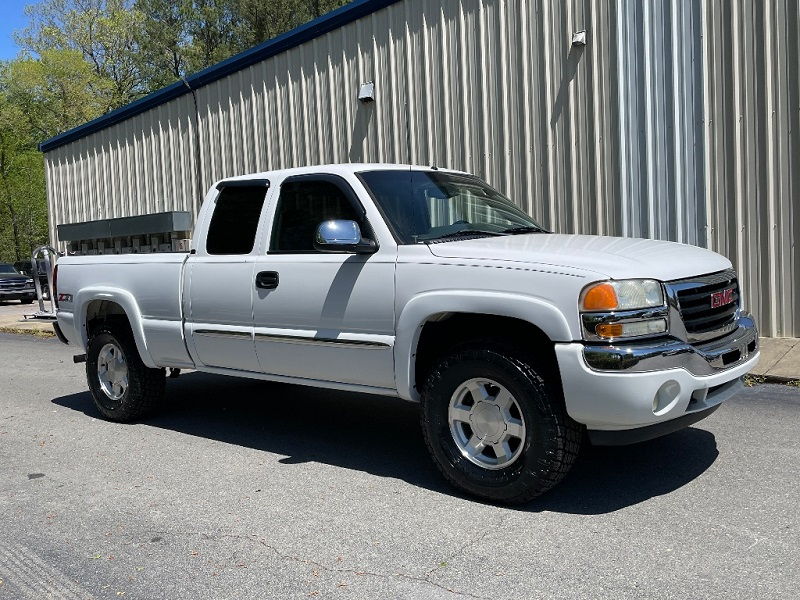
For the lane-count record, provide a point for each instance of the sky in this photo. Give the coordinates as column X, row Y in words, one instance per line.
column 12, row 17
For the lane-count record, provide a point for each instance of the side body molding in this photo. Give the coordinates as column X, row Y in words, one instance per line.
column 128, row 303
column 422, row 307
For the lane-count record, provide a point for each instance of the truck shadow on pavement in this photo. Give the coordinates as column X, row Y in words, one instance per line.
column 381, row 436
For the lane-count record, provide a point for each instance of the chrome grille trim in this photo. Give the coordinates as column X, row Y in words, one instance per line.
column 690, row 298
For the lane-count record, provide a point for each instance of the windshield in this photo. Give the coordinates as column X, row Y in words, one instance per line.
column 423, row 206
column 8, row 269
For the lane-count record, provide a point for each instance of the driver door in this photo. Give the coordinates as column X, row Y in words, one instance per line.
column 323, row 316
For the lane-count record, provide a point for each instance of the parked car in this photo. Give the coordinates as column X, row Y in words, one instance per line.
column 26, row 268
column 429, row 285
column 16, row 286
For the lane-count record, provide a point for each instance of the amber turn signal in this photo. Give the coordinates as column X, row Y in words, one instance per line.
column 609, row 330
column 600, row 297
column 631, row 328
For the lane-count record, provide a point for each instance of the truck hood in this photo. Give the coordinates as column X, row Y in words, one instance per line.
column 613, row 257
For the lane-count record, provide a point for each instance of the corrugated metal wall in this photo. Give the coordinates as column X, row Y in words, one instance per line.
column 142, row 165
column 677, row 121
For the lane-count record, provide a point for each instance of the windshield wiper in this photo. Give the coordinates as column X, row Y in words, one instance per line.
column 524, row 229
column 461, row 232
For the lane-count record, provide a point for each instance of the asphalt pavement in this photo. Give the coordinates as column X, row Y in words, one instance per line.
column 243, row 489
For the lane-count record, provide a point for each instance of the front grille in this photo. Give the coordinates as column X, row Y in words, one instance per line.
column 12, row 286
column 703, row 320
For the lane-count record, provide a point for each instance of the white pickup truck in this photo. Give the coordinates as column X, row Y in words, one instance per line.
column 429, row 285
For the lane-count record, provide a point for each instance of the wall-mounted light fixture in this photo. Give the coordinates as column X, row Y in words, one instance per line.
column 366, row 93
column 579, row 38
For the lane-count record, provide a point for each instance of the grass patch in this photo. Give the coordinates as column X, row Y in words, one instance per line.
column 751, row 380
column 39, row 333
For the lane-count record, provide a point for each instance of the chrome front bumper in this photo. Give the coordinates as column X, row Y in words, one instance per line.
column 17, row 294
column 668, row 353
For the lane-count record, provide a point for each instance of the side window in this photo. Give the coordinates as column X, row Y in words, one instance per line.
column 302, row 206
column 233, row 225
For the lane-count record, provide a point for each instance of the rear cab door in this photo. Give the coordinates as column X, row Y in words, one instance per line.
column 218, row 280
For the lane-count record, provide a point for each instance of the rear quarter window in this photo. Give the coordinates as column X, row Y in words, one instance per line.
column 235, row 220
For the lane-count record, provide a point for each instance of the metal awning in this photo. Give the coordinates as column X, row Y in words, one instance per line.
column 126, row 226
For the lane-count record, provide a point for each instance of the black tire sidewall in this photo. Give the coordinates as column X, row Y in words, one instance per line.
column 530, row 471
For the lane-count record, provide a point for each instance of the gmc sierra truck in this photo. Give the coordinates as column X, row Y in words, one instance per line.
column 428, row 285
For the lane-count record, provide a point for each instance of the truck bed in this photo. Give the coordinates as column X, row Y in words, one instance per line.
column 156, row 283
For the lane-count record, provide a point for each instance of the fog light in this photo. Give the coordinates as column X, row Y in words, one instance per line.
column 632, row 329
column 666, row 397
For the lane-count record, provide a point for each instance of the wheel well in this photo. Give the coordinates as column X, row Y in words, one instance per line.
column 105, row 313
column 444, row 332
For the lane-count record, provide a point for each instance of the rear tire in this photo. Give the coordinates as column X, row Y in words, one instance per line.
column 122, row 387
column 510, row 444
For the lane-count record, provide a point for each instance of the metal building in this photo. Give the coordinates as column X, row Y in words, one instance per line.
column 676, row 120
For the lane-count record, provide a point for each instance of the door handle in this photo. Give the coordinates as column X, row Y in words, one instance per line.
column 267, row 280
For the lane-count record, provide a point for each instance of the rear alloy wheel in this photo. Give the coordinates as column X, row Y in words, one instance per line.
column 495, row 427
column 122, row 387
column 112, row 373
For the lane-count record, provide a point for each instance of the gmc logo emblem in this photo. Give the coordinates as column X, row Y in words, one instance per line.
column 721, row 298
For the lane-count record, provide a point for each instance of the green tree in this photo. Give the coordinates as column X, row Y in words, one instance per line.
column 83, row 58
column 258, row 21
column 57, row 91
column 317, row 8
column 105, row 32
column 210, row 26
column 163, row 40
column 23, row 212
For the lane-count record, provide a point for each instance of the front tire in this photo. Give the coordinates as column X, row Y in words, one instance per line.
column 495, row 427
column 122, row 387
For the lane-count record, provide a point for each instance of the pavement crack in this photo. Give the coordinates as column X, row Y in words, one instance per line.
column 464, row 547
column 468, row 544
column 341, row 570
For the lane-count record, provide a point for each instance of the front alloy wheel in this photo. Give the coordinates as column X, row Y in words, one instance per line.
column 495, row 426
column 486, row 423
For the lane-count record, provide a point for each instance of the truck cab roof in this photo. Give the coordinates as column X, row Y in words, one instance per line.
column 335, row 169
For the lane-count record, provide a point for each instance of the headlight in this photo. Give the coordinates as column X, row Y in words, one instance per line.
column 622, row 295
column 623, row 309
column 29, row 283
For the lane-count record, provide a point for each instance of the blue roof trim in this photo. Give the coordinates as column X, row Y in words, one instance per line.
column 304, row 33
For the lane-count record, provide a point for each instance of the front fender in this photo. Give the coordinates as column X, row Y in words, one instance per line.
column 419, row 309
column 128, row 303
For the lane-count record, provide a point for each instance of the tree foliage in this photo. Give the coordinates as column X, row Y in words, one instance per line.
column 82, row 58
column 23, row 214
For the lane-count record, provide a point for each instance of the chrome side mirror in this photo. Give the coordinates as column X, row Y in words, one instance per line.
column 342, row 236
